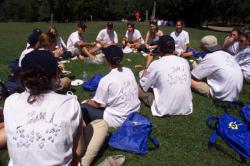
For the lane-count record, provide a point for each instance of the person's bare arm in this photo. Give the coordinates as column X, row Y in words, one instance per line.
column 228, row 41
column 94, row 104
column 78, row 144
column 147, row 40
column 3, row 138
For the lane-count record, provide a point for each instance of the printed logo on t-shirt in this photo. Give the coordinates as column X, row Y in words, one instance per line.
column 38, row 131
column 177, row 74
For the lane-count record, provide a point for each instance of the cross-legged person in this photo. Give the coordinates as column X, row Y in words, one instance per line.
column 117, row 93
column 77, row 44
column 165, row 85
column 133, row 38
column 222, row 75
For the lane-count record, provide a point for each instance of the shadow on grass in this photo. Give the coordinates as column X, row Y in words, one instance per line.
column 220, row 148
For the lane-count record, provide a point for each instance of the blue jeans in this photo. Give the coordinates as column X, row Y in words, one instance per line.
column 90, row 113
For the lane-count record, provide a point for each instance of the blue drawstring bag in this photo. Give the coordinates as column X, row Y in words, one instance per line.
column 133, row 135
column 245, row 112
column 92, row 84
column 233, row 131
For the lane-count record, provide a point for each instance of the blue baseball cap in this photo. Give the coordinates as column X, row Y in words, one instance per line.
column 40, row 58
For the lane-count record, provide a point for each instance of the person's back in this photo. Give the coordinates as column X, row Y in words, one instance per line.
column 123, row 98
column 42, row 127
column 171, row 85
column 42, row 132
column 223, row 75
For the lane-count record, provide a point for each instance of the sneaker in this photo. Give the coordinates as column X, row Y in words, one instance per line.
column 115, row 160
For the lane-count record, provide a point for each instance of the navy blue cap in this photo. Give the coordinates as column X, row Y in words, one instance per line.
column 34, row 37
column 166, row 43
column 40, row 58
column 113, row 54
column 110, row 24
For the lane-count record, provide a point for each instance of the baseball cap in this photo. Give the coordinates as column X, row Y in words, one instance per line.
column 81, row 25
column 34, row 37
column 110, row 24
column 40, row 58
column 210, row 43
column 166, row 43
column 113, row 54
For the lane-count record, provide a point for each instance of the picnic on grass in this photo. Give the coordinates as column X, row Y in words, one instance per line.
column 44, row 122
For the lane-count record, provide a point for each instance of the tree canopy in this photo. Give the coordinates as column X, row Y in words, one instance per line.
column 193, row 12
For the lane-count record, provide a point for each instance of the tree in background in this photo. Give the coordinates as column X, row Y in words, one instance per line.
column 193, row 12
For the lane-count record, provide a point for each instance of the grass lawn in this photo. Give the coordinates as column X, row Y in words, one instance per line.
column 183, row 139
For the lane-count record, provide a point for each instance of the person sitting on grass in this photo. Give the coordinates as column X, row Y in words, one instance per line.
column 243, row 57
column 117, row 93
column 32, row 42
column 59, row 41
column 231, row 43
column 181, row 38
column 223, row 75
column 77, row 44
column 133, row 38
column 151, row 41
column 47, row 41
column 60, row 45
column 165, row 85
column 46, row 128
column 106, row 37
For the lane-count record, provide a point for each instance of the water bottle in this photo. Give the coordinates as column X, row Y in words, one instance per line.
column 84, row 76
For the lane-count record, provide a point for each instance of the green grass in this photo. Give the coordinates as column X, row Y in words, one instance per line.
column 183, row 139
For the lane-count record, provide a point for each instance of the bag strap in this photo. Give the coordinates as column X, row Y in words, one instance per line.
column 213, row 137
column 209, row 119
column 155, row 141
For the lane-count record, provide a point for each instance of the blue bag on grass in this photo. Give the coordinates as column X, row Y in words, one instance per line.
column 92, row 84
column 133, row 135
column 233, row 131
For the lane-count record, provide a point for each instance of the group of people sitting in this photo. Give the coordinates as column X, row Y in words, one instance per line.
column 55, row 129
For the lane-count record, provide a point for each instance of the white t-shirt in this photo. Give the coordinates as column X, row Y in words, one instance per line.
column 243, row 59
column 109, row 38
column 41, row 133
column 119, row 92
column 73, row 38
column 133, row 36
column 223, row 75
column 181, row 40
column 26, row 51
column 233, row 49
column 60, row 43
column 171, row 82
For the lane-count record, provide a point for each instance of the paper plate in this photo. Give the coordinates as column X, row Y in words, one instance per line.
column 127, row 50
column 76, row 82
column 66, row 72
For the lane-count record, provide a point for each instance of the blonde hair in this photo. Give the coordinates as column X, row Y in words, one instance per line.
column 46, row 40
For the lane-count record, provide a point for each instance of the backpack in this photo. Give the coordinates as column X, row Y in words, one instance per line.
column 92, row 84
column 233, row 131
column 133, row 135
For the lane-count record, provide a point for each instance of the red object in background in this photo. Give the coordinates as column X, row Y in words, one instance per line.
column 137, row 16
